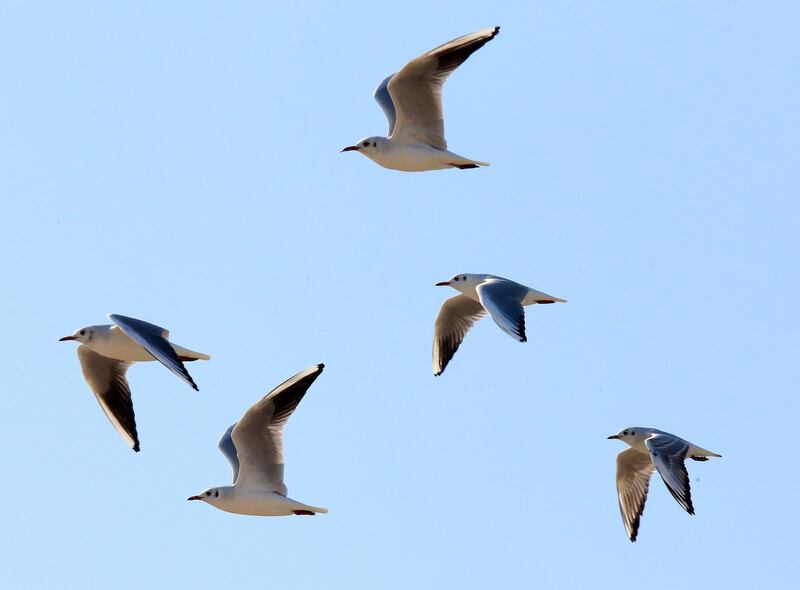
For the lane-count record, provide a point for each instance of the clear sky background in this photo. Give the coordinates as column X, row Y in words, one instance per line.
column 179, row 163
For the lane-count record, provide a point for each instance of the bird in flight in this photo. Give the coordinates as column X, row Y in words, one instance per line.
column 652, row 449
column 412, row 102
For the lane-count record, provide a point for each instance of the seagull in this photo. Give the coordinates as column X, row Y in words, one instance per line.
column 412, row 102
column 254, row 448
column 106, row 352
column 501, row 298
column 652, row 449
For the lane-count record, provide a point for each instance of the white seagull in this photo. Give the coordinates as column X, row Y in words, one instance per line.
column 652, row 449
column 106, row 352
column 412, row 102
column 254, row 448
column 501, row 298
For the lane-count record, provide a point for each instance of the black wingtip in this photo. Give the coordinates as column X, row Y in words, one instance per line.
column 496, row 31
column 320, row 366
column 136, row 448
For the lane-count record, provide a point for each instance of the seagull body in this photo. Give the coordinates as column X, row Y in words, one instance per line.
column 653, row 449
column 254, row 448
column 501, row 298
column 412, row 102
column 106, row 352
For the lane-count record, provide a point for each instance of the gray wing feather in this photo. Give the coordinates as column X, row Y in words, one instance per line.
column 456, row 316
column 634, row 470
column 106, row 378
column 668, row 453
column 503, row 300
column 258, row 436
column 229, row 450
column 384, row 99
column 154, row 339
column 416, row 90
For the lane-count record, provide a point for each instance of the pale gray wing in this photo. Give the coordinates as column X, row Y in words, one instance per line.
column 416, row 90
column 229, row 450
column 634, row 470
column 456, row 316
column 668, row 453
column 384, row 99
column 107, row 379
column 503, row 300
column 154, row 339
column 259, row 434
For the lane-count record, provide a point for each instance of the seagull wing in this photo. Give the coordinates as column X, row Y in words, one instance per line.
column 382, row 96
column 503, row 300
column 456, row 317
column 416, row 90
column 106, row 377
column 668, row 453
column 259, row 434
column 228, row 449
column 634, row 470
column 154, row 339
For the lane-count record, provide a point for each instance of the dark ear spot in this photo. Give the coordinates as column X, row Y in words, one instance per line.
column 374, row 143
column 216, row 493
column 633, row 433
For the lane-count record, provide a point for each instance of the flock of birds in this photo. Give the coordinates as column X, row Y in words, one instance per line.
column 411, row 100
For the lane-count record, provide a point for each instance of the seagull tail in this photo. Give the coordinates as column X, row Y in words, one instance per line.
column 187, row 355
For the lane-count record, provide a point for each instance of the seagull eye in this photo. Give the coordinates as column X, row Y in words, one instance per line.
column 208, row 493
column 625, row 432
column 83, row 332
column 456, row 278
column 366, row 144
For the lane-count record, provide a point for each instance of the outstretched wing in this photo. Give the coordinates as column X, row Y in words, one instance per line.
column 229, row 450
column 154, row 339
column 106, row 377
column 382, row 96
column 634, row 470
column 668, row 453
column 416, row 90
column 258, row 436
column 456, row 316
column 503, row 300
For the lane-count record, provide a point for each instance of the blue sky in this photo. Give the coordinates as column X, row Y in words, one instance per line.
column 179, row 162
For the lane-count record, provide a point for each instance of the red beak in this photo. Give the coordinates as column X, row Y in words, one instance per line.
column 613, row 436
column 350, row 148
column 443, row 284
column 65, row 338
column 194, row 498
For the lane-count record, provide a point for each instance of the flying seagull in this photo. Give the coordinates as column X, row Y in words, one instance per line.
column 481, row 294
column 412, row 102
column 254, row 448
column 106, row 352
column 652, row 449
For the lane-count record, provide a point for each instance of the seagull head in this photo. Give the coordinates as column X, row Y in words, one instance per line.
column 82, row 335
column 465, row 283
column 367, row 146
column 631, row 434
column 211, row 495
